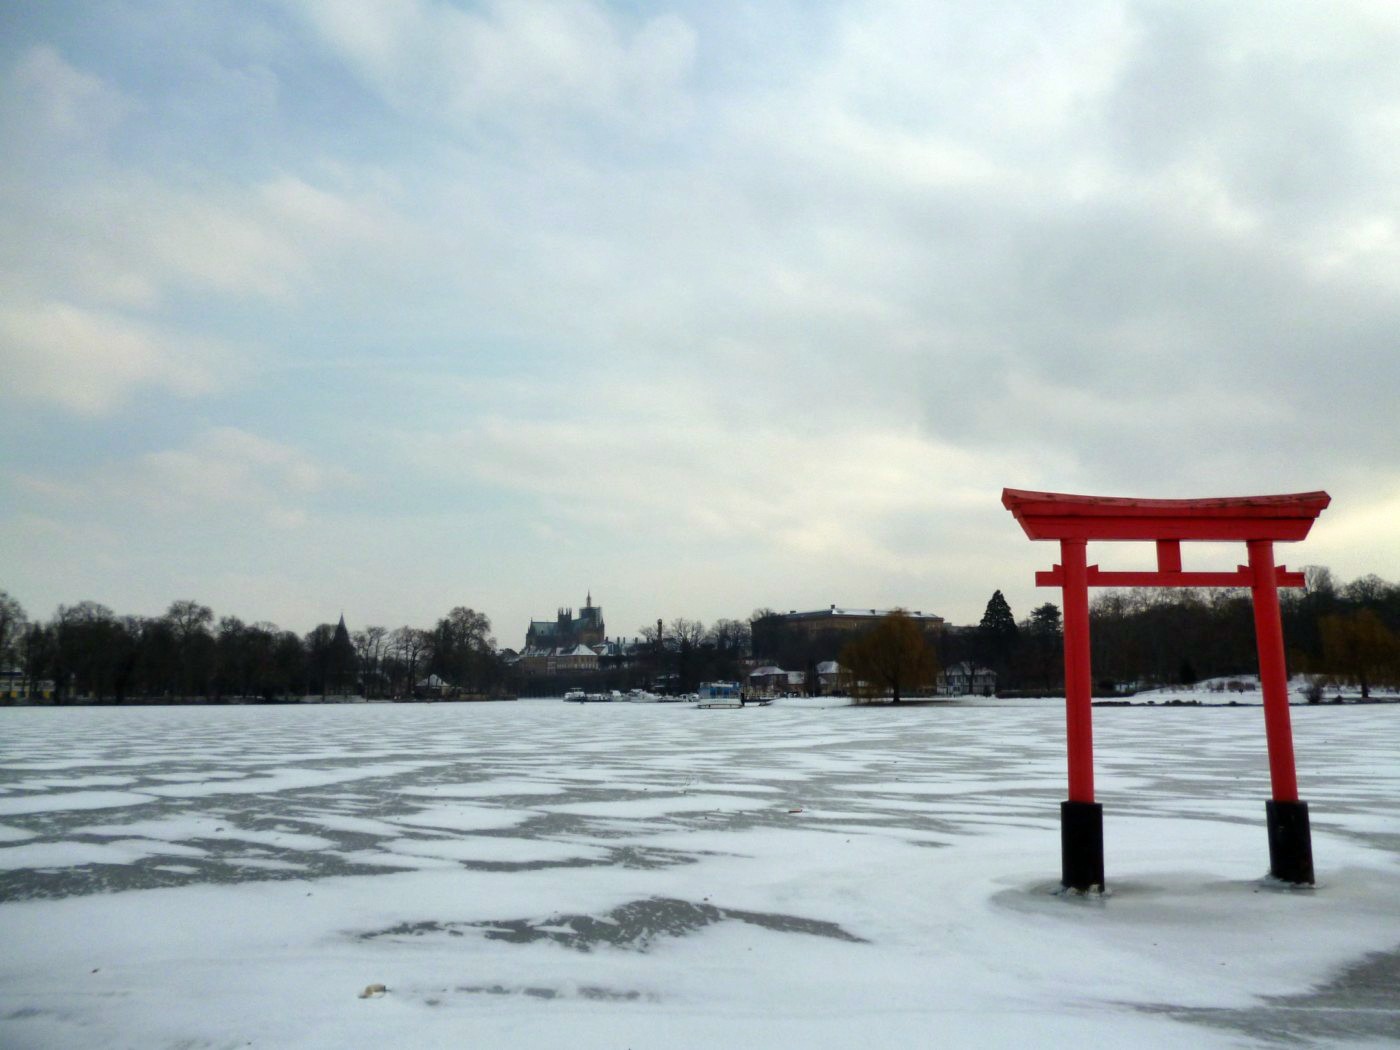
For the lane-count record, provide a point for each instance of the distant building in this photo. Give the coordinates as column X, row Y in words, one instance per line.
column 434, row 687
column 833, row 618
column 567, row 631
column 15, row 686
column 963, row 679
column 803, row 639
column 770, row 680
column 832, row 677
column 578, row 659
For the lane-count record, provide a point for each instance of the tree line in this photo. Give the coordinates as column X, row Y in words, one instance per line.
column 1337, row 633
column 88, row 652
column 1343, row 634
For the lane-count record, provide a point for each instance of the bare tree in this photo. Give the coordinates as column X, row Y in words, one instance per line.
column 320, row 641
column 409, row 645
column 86, row 650
column 895, row 656
column 189, row 621
column 1358, row 647
column 462, row 650
column 230, row 653
column 685, row 635
column 38, row 656
column 13, row 622
column 369, row 652
column 288, row 663
column 730, row 636
column 188, row 618
column 684, row 641
column 261, row 641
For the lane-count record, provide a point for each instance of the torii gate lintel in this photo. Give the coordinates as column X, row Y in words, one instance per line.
column 1257, row 521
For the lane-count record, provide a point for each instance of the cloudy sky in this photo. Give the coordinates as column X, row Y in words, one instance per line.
column 390, row 307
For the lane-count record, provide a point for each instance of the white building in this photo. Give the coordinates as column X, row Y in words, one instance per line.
column 963, row 679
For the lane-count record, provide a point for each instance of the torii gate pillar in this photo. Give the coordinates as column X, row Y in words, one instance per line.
column 1259, row 521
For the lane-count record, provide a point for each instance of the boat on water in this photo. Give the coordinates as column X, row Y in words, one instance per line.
column 580, row 697
column 720, row 694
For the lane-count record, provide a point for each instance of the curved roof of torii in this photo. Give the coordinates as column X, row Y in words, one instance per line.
column 1061, row 515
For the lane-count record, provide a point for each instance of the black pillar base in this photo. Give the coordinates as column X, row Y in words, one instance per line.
column 1290, row 842
column 1081, row 846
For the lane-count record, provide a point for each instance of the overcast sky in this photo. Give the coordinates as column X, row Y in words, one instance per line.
column 384, row 308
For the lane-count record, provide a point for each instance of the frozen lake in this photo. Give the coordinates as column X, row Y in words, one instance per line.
column 541, row 874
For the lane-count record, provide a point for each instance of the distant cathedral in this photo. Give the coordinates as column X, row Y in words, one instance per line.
column 567, row 630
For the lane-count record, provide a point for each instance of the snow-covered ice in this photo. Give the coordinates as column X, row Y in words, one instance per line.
column 540, row 874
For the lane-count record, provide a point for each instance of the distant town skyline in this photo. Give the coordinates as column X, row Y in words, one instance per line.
column 323, row 306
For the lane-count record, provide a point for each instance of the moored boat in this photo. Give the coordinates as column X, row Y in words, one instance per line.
column 721, row 694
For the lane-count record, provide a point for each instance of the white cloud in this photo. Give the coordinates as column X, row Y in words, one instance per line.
column 128, row 239
column 268, row 239
column 222, row 475
column 97, row 252
column 83, row 323
column 51, row 100
column 513, row 62
column 92, row 361
column 225, row 469
column 705, row 476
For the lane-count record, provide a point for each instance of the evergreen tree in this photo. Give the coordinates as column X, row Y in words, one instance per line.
column 1045, row 620
column 997, row 634
column 1042, row 656
column 342, row 659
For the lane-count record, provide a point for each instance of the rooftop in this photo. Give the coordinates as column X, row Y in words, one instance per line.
column 835, row 611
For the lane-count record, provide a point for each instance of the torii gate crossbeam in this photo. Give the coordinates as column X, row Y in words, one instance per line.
column 1259, row 522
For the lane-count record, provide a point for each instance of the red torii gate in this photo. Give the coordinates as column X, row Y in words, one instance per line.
column 1258, row 521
